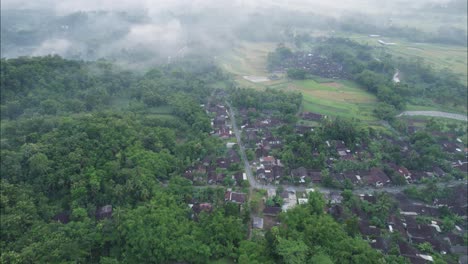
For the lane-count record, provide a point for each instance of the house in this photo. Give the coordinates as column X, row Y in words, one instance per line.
column 268, row 160
column 397, row 225
column 421, row 231
column 301, row 129
column 233, row 156
column 219, row 121
column 368, row 230
column 315, row 176
column 406, row 249
column 450, row 147
column 300, row 174
column 257, row 222
column 222, row 163
column 104, row 212
column 440, row 246
column 239, row 177
column 271, row 210
column 234, row 197
column 251, row 136
column 354, row 177
column 401, row 171
column 381, row 244
column 412, row 253
column 417, row 176
column 262, row 151
column 377, row 178
column 277, row 171
column 212, row 176
column 261, row 173
column 223, row 132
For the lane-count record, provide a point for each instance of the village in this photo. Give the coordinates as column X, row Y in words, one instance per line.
column 280, row 188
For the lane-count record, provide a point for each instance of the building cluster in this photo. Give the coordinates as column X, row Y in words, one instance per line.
column 316, row 64
column 416, row 223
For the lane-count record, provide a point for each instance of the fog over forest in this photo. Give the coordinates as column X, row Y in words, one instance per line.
column 153, row 31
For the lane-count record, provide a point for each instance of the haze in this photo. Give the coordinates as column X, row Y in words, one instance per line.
column 158, row 31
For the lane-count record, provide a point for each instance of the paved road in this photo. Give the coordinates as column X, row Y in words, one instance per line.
column 248, row 170
column 435, row 114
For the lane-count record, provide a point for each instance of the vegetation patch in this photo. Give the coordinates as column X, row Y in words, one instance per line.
column 343, row 98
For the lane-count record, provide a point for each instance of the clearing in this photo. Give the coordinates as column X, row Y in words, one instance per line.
column 338, row 98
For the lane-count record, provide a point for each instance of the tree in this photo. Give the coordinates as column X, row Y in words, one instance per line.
column 38, row 165
column 292, row 251
column 298, row 74
column 352, row 226
column 321, row 258
column 316, row 203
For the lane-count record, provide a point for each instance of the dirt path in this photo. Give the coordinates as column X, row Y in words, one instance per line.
column 435, row 114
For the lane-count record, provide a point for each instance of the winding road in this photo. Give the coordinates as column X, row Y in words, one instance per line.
column 435, row 114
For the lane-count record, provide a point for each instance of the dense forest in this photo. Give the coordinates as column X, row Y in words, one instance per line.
column 78, row 137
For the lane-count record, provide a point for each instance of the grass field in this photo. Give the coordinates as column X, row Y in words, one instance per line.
column 339, row 98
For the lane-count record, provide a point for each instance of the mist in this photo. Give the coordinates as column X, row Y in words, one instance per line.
column 139, row 32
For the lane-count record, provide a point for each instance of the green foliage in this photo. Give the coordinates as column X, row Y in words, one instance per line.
column 298, row 74
column 68, row 149
column 359, row 63
column 322, row 236
column 283, row 103
column 292, row 251
column 281, row 53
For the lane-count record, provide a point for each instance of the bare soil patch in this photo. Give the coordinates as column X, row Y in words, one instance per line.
column 256, row 79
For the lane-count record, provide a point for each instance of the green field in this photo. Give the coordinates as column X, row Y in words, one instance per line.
column 339, row 98
column 439, row 56
column 346, row 99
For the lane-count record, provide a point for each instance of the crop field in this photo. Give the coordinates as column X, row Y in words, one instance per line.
column 337, row 98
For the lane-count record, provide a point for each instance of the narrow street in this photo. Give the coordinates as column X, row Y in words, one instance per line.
column 248, row 170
